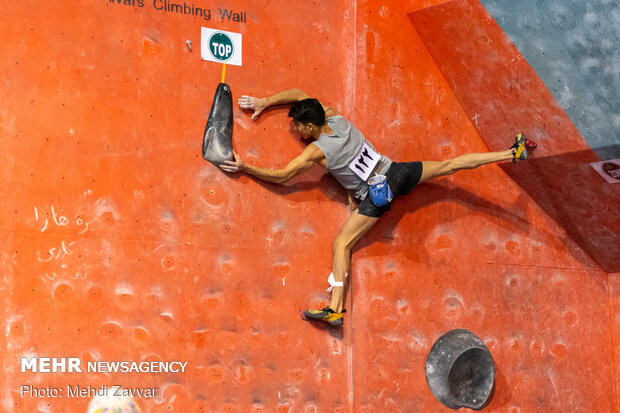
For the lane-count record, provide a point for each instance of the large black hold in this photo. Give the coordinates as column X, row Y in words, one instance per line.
column 217, row 140
column 460, row 370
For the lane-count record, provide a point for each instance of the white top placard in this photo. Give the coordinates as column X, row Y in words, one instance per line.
column 220, row 46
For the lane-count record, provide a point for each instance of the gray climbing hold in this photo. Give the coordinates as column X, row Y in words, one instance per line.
column 217, row 140
column 459, row 370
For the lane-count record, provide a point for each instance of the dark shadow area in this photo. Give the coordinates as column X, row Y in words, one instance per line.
column 578, row 199
column 514, row 219
column 502, row 396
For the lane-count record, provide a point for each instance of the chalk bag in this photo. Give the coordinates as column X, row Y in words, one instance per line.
column 379, row 190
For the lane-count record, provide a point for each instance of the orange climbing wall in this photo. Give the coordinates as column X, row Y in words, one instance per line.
column 121, row 243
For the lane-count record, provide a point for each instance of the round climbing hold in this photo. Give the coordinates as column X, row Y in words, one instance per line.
column 459, row 370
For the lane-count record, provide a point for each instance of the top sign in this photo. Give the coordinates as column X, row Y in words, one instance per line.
column 220, row 46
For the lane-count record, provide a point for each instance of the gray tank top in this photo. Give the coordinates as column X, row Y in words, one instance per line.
column 340, row 150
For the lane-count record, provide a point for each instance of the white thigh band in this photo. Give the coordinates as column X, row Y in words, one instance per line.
column 333, row 283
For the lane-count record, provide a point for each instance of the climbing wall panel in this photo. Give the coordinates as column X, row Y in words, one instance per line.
column 120, row 243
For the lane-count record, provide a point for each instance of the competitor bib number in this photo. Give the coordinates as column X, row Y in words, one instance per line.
column 364, row 162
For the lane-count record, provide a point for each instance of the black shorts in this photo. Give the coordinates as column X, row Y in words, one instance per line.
column 402, row 178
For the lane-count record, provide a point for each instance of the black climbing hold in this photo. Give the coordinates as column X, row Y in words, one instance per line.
column 217, row 140
column 459, row 370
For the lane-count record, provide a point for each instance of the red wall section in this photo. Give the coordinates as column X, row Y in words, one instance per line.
column 503, row 96
column 121, row 243
column 472, row 250
column 614, row 304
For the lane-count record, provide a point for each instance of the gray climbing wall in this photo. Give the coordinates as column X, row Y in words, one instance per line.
column 573, row 47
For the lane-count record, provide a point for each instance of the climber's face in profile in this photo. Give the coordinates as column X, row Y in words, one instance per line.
column 304, row 129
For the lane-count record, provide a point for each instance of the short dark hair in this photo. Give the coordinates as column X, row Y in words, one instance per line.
column 308, row 111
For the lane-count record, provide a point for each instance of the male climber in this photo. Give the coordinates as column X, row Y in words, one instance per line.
column 342, row 149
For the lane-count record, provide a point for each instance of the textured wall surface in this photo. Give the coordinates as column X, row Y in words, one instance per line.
column 502, row 95
column 572, row 46
column 119, row 242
